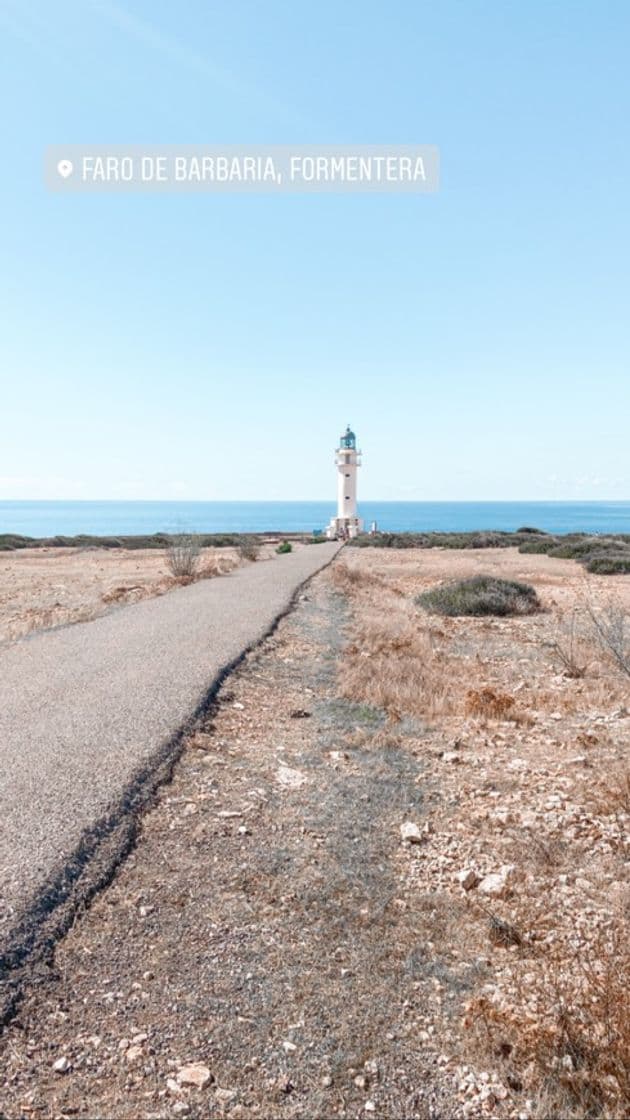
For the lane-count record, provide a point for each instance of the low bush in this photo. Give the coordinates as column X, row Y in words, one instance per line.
column 481, row 595
column 610, row 627
column 484, row 538
column 538, row 546
column 10, row 541
column 578, row 548
column 285, row 546
column 608, row 565
column 248, row 548
column 183, row 556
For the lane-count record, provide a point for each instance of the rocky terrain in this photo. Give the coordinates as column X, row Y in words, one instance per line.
column 389, row 876
column 522, row 853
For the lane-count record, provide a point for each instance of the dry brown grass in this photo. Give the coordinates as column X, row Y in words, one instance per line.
column 614, row 794
column 552, row 1018
column 352, row 580
column 392, row 664
column 611, row 630
column 489, row 704
column 209, row 567
column 569, row 648
column 562, row 1026
column 394, row 660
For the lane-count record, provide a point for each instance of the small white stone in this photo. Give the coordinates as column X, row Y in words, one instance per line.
column 195, row 1074
column 62, row 1065
column 497, row 885
column 225, row 1095
column 290, row 777
column 410, row 833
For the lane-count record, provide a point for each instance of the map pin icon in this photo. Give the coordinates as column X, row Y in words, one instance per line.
column 65, row 168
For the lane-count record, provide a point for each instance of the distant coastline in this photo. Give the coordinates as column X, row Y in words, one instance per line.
column 102, row 518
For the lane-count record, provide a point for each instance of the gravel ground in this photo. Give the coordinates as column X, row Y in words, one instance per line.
column 89, row 718
column 254, row 955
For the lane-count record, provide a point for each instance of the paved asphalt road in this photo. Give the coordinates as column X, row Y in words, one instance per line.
column 82, row 708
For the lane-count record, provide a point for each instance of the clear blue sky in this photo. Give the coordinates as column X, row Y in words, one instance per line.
column 478, row 340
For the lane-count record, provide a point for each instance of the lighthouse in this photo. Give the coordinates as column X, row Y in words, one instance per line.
column 347, row 459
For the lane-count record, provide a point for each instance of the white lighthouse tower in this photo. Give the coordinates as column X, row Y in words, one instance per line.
column 347, row 459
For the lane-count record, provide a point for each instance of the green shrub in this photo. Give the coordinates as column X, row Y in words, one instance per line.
column 285, row 546
column 486, row 538
column 481, row 595
column 10, row 541
column 609, row 565
column 538, row 546
column 577, row 548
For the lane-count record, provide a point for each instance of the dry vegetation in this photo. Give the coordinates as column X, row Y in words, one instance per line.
column 184, row 552
column 533, row 791
column 45, row 587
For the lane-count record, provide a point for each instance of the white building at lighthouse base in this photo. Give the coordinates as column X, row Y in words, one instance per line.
column 344, row 528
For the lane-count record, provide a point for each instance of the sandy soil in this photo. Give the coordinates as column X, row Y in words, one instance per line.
column 45, row 587
column 389, row 877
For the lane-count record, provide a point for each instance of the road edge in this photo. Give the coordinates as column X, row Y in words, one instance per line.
column 27, row 956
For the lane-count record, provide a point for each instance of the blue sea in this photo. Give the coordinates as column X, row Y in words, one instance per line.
column 47, row 519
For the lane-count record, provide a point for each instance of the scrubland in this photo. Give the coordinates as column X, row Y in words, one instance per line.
column 388, row 875
column 523, row 860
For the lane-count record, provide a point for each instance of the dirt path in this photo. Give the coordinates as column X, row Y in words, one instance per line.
column 258, row 929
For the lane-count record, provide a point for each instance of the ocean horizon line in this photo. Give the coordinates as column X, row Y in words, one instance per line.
column 51, row 517
column 318, row 501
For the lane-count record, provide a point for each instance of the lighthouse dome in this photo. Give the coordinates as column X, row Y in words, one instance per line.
column 348, row 439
